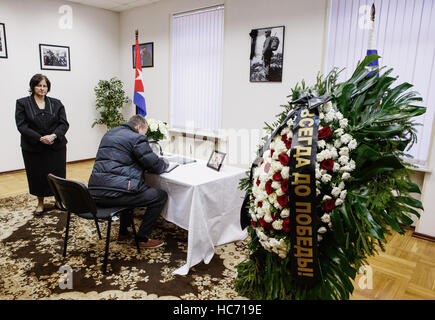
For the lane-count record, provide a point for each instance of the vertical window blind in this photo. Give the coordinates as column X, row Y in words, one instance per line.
column 405, row 34
column 196, row 69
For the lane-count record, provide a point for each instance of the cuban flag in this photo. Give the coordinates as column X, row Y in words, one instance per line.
column 371, row 46
column 139, row 95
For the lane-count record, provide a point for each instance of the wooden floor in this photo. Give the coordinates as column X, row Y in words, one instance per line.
column 405, row 271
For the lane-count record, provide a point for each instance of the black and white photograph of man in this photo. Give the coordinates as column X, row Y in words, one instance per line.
column 267, row 60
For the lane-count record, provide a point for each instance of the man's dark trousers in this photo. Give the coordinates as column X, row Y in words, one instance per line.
column 153, row 199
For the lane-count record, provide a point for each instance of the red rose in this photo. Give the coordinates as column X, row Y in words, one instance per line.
column 324, row 133
column 328, row 205
column 268, row 187
column 271, row 152
column 327, row 164
column 283, row 200
column 277, row 176
column 259, row 204
column 286, row 225
column 254, row 223
column 261, row 161
column 284, row 185
column 284, row 138
column 264, row 224
column 288, row 144
column 258, row 182
column 284, row 159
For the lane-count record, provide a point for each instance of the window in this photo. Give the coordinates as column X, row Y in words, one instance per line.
column 405, row 33
column 196, row 69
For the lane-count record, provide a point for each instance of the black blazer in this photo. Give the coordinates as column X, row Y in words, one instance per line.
column 33, row 123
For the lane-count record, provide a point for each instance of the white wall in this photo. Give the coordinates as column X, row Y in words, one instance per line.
column 93, row 43
column 246, row 105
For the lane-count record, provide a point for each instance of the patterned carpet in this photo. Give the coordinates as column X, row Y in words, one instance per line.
column 31, row 255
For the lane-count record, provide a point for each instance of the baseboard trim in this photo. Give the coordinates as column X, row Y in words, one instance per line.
column 423, row 236
column 23, row 170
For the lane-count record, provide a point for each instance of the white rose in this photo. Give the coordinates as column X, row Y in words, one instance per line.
column 329, row 117
column 343, row 160
column 322, row 230
column 336, row 192
column 352, row 165
column 339, row 132
column 352, row 144
column 279, row 192
column 345, row 176
column 318, row 174
column 345, row 138
column 326, row 197
column 321, row 144
column 339, row 115
column 327, row 106
column 326, row 178
column 276, row 185
column 344, row 123
column 337, row 143
column 277, row 225
column 336, row 167
column 154, row 126
column 276, row 167
column 343, row 194
column 285, row 172
column 341, row 185
column 272, row 198
column 268, row 218
column 285, row 213
column 318, row 192
column 344, row 151
column 319, row 238
column 321, row 116
column 338, row 202
column 326, row 218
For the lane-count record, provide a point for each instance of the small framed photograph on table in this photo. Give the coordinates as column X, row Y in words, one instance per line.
column 216, row 160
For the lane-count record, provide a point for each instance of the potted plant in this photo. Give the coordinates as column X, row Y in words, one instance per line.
column 110, row 98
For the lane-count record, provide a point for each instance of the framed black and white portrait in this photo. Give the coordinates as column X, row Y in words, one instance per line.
column 146, row 54
column 3, row 45
column 267, row 48
column 53, row 57
column 216, row 159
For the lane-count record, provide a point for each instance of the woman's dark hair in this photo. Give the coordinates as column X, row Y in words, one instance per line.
column 37, row 79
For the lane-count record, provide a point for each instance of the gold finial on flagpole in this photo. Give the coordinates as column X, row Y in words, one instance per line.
column 137, row 34
column 373, row 12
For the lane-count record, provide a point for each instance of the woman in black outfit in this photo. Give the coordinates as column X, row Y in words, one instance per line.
column 42, row 122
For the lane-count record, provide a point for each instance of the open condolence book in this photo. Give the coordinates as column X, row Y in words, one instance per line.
column 172, row 166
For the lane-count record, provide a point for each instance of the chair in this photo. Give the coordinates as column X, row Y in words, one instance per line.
column 75, row 198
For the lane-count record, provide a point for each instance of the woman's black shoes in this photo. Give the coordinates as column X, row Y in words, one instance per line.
column 38, row 213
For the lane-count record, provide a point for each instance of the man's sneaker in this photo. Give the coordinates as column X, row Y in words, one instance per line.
column 151, row 243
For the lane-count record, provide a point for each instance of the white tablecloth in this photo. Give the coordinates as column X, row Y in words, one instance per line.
column 205, row 202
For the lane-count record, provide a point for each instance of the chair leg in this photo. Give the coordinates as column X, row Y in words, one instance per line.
column 98, row 228
column 106, row 253
column 134, row 232
column 68, row 217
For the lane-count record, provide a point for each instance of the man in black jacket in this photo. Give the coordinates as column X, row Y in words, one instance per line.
column 117, row 178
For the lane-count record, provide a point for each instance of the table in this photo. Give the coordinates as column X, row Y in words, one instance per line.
column 204, row 202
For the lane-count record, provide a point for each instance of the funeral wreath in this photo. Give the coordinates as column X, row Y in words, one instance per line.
column 329, row 183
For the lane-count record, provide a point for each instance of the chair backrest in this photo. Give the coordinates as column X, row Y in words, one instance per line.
column 73, row 195
column 54, row 190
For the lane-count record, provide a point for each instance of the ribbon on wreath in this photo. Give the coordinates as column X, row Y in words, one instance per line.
column 302, row 187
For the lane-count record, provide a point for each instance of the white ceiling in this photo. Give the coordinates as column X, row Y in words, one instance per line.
column 114, row 5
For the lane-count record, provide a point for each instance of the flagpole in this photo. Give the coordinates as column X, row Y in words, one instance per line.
column 137, row 37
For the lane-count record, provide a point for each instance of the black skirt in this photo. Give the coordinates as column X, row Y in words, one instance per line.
column 39, row 165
